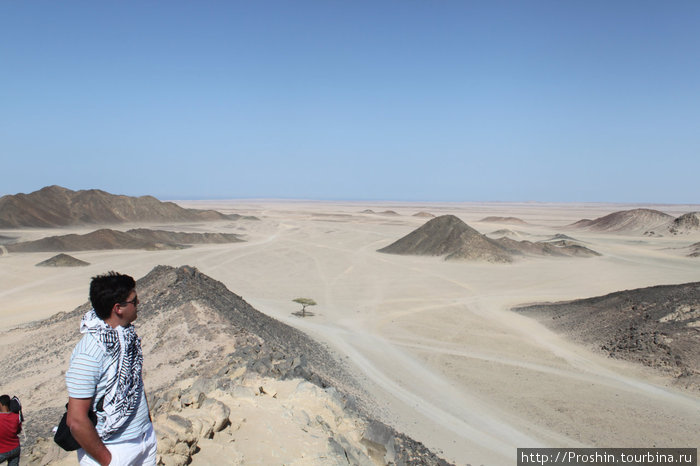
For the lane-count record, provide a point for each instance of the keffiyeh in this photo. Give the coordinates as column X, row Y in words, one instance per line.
column 123, row 393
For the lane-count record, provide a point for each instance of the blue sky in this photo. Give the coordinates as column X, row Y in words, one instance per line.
column 381, row 100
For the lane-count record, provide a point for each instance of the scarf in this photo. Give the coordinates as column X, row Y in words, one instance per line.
column 123, row 349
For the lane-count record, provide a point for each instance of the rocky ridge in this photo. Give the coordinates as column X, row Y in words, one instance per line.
column 221, row 377
column 657, row 326
column 55, row 206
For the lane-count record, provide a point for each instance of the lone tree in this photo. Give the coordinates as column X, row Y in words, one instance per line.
column 305, row 302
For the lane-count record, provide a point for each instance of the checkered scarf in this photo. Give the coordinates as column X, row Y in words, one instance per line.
column 123, row 393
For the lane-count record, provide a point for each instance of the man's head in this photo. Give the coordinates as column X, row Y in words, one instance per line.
column 5, row 403
column 109, row 290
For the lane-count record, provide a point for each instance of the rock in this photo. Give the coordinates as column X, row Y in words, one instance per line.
column 379, row 440
column 204, row 384
column 193, row 398
column 218, row 411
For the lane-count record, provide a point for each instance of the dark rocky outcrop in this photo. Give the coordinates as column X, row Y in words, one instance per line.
column 54, row 206
column 657, row 326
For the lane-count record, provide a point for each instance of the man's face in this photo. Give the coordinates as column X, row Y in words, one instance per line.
column 128, row 307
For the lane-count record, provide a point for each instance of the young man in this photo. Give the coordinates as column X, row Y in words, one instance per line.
column 10, row 427
column 105, row 376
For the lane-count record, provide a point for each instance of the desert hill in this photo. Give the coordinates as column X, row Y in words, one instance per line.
column 54, row 206
column 424, row 214
column 694, row 250
column 449, row 236
column 513, row 220
column 559, row 237
column 507, row 232
column 657, row 326
column 626, row 221
column 139, row 238
column 62, row 260
column 687, row 223
column 219, row 375
column 561, row 248
column 6, row 239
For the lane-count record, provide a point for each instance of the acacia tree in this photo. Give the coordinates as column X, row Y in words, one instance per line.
column 305, row 302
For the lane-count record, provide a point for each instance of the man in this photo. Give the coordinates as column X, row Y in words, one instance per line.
column 10, row 427
column 105, row 376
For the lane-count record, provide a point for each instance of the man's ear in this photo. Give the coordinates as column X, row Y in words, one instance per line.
column 116, row 310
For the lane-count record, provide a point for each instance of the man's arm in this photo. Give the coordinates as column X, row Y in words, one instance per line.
column 84, row 432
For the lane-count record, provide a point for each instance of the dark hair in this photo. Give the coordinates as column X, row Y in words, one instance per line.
column 5, row 400
column 109, row 289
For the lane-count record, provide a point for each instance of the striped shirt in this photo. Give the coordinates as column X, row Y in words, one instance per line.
column 85, row 378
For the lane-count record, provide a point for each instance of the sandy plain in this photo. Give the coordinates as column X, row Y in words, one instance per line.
column 434, row 342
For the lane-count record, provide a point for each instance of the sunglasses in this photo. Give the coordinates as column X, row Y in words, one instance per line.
column 134, row 301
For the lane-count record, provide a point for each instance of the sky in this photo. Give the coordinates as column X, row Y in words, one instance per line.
column 430, row 100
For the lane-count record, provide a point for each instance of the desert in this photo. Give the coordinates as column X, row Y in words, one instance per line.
column 435, row 351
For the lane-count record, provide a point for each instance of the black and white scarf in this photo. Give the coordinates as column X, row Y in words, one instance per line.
column 123, row 393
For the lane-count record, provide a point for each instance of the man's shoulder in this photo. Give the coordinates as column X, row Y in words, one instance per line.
column 89, row 346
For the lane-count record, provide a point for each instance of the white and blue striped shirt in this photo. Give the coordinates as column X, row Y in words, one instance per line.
column 85, row 378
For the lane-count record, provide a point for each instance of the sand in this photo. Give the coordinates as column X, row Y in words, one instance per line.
column 434, row 341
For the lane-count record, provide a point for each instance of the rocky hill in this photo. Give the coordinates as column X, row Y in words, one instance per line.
column 139, row 238
column 62, row 260
column 694, row 250
column 54, row 206
column 449, row 236
column 513, row 220
column 687, row 223
column 223, row 381
column 657, row 326
column 626, row 221
column 561, row 248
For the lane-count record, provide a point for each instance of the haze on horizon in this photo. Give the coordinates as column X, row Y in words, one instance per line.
column 450, row 101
